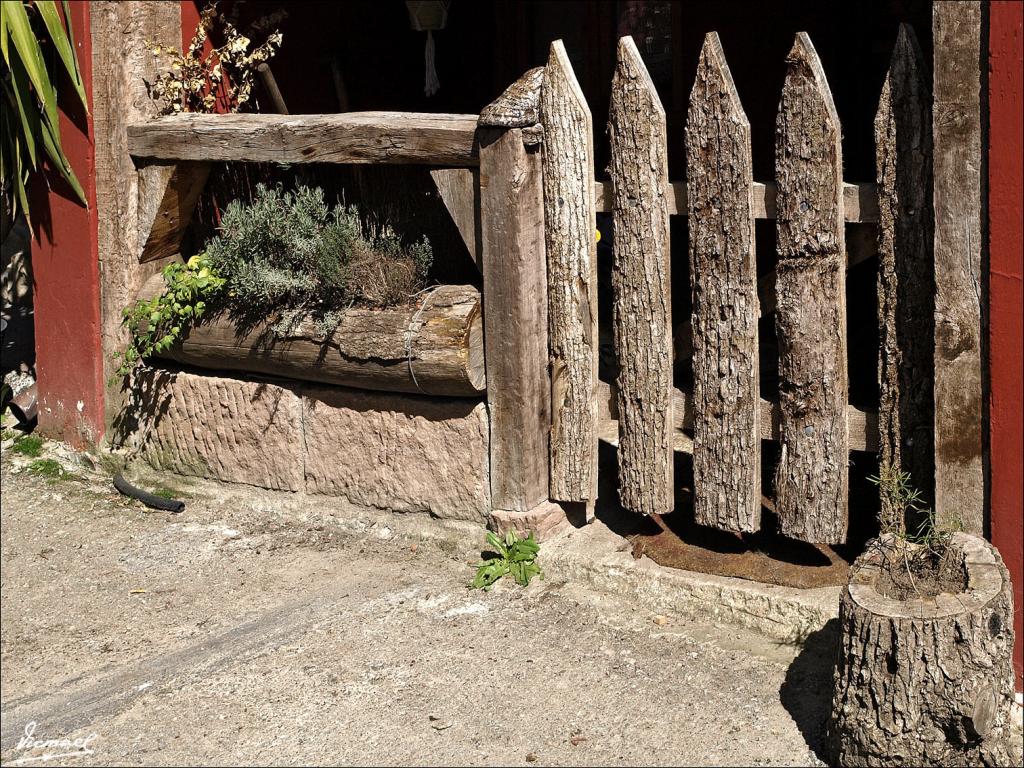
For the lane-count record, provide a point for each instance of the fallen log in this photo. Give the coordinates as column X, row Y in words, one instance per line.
column 433, row 346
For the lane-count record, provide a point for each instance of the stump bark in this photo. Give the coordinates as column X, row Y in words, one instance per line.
column 924, row 681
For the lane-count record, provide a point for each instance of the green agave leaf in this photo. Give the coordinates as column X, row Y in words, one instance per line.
column 51, row 143
column 27, row 48
column 25, row 107
column 65, row 47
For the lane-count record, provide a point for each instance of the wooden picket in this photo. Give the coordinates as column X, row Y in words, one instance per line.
column 572, row 279
column 812, row 477
column 906, row 284
column 723, row 277
column 641, row 286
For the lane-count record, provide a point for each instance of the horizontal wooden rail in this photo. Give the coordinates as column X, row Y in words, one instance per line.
column 860, row 200
column 863, row 424
column 350, row 137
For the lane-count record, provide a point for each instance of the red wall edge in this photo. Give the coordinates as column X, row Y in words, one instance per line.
column 1006, row 322
column 65, row 263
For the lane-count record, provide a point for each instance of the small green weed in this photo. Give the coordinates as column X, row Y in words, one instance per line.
column 48, row 468
column 8, row 434
column 512, row 556
column 28, row 445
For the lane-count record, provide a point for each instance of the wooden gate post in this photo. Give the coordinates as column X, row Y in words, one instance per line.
column 516, row 309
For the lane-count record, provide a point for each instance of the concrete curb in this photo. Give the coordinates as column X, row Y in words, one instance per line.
column 593, row 556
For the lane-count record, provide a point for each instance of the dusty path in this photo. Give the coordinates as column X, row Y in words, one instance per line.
column 238, row 633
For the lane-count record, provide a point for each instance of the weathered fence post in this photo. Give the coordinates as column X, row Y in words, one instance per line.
column 959, row 469
column 812, row 477
column 516, row 307
column 723, row 277
column 572, row 279
column 906, row 272
column 641, row 285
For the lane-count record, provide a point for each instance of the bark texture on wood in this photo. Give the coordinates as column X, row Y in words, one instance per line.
column 924, row 681
column 350, row 137
column 956, row 118
column 641, row 285
column 906, row 273
column 519, row 104
column 860, row 201
column 812, row 476
column 569, row 223
column 863, row 424
column 515, row 318
column 723, row 278
column 122, row 63
column 163, row 229
column 434, row 347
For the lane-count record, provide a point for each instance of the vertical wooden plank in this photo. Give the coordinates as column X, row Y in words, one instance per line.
column 569, row 227
column 515, row 318
column 812, row 476
column 956, row 119
column 723, row 278
column 122, row 37
column 906, row 284
column 641, row 285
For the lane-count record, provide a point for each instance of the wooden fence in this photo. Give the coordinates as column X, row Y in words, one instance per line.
column 519, row 181
column 723, row 420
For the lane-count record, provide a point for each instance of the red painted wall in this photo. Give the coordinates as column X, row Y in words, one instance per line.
column 1006, row 326
column 65, row 263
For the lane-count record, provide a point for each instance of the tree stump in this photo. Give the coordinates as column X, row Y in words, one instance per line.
column 927, row 680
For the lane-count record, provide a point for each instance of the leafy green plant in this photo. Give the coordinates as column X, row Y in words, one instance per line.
column 158, row 323
column 48, row 468
column 29, row 31
column 28, row 445
column 514, row 556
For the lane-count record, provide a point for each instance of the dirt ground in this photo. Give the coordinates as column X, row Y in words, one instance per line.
column 240, row 632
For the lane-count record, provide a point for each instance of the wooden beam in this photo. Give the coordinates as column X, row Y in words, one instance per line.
column 515, row 318
column 906, row 286
column 812, row 476
column 433, row 347
column 863, row 425
column 352, row 137
column 723, row 276
column 459, row 191
column 956, row 121
column 519, row 104
column 860, row 200
column 641, row 285
column 164, row 226
column 572, row 279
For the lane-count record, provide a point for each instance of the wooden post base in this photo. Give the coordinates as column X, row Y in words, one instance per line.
column 925, row 681
column 546, row 520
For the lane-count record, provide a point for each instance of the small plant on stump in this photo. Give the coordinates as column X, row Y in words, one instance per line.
column 924, row 670
column 922, row 561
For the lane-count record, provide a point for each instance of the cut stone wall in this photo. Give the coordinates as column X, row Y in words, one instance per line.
column 376, row 450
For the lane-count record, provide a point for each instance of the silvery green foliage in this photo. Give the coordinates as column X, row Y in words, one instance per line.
column 289, row 252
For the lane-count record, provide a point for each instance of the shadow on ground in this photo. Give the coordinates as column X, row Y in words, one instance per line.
column 806, row 692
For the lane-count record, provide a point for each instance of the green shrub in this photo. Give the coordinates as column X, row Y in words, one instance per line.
column 284, row 253
column 290, row 252
column 48, row 468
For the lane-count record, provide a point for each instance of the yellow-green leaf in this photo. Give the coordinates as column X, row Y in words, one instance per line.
column 65, row 48
column 27, row 48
